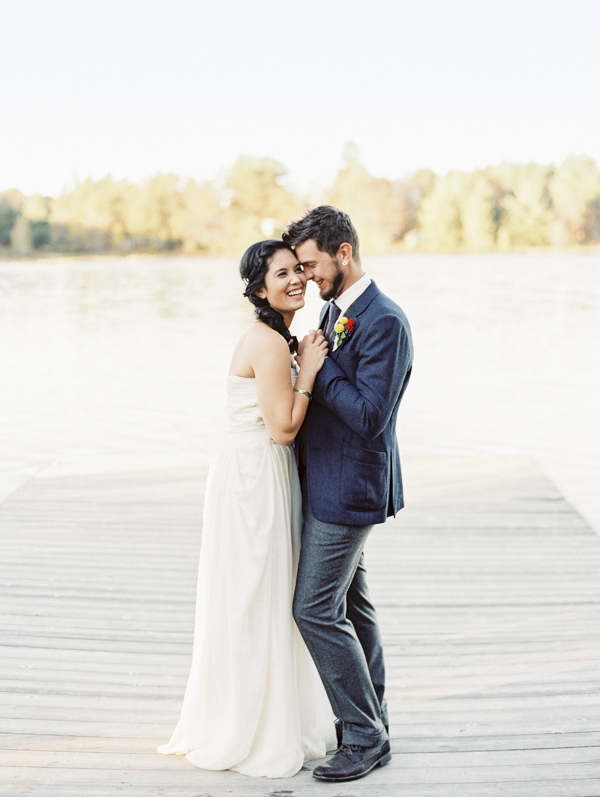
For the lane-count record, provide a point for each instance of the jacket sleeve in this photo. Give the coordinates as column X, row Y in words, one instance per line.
column 384, row 360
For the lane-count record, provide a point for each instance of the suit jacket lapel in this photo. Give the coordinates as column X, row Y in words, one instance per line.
column 358, row 306
column 324, row 312
column 363, row 301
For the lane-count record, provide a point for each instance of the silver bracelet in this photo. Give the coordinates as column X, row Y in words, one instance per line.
column 304, row 392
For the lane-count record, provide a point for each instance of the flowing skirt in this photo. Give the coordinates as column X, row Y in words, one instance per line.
column 254, row 701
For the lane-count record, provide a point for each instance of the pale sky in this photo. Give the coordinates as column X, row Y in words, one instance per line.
column 136, row 87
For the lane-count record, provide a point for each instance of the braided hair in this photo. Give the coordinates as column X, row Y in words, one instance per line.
column 253, row 269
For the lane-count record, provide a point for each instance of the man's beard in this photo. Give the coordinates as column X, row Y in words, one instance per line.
column 335, row 286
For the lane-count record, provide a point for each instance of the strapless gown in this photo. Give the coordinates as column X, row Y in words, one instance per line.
column 254, row 701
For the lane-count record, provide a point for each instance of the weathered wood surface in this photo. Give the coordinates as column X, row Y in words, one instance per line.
column 488, row 590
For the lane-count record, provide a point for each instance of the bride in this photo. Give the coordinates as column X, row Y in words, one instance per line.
column 254, row 701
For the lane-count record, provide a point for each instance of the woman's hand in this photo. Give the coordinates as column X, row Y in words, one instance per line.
column 283, row 408
column 312, row 352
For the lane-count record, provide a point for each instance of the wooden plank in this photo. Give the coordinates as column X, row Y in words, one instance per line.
column 136, row 744
column 489, row 599
column 514, row 763
column 114, row 785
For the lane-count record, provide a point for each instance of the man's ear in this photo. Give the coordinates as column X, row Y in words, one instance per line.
column 345, row 251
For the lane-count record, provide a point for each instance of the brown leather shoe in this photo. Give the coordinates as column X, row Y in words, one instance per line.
column 352, row 762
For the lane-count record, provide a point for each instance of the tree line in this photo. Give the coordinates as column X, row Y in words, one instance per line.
column 504, row 207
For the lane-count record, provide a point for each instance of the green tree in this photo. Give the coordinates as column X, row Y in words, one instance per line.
column 479, row 213
column 440, row 215
column 408, row 197
column 460, row 211
column 153, row 207
column 90, row 217
column 525, row 207
column 8, row 216
column 575, row 192
column 36, row 209
column 20, row 237
column 592, row 223
column 197, row 221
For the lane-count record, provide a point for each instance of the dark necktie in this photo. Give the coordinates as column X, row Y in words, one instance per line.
column 332, row 317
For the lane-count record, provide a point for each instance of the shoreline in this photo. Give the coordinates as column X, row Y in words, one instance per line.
column 54, row 257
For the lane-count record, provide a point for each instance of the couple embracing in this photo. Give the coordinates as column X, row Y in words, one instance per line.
column 288, row 661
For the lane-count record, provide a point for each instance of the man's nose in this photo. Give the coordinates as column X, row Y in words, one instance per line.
column 308, row 273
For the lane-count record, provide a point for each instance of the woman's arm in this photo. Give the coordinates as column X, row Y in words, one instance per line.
column 283, row 410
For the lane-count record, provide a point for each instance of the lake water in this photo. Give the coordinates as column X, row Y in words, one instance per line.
column 129, row 356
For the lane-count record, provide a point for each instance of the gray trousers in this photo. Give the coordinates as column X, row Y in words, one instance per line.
column 338, row 622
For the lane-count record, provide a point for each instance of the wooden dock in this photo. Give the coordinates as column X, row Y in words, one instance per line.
column 488, row 587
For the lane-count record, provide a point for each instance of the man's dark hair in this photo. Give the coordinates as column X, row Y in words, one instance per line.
column 328, row 227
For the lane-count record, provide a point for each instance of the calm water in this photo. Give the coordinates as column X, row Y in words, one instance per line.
column 130, row 356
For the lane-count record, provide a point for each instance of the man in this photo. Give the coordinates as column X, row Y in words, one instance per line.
column 351, row 480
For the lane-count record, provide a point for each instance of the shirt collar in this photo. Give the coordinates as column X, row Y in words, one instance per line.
column 351, row 294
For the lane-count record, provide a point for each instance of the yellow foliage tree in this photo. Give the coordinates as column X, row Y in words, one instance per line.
column 371, row 203
column 257, row 203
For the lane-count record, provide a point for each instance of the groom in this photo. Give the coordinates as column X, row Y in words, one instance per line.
column 349, row 458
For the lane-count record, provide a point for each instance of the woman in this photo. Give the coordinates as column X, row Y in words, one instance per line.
column 254, row 701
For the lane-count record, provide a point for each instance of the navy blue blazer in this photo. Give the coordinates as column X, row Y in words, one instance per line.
column 349, row 448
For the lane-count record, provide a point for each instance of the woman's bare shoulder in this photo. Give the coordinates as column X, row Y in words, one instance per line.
column 262, row 335
column 260, row 342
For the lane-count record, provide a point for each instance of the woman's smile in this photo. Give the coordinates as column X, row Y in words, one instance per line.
column 285, row 284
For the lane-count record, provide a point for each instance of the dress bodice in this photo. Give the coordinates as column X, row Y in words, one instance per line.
column 243, row 412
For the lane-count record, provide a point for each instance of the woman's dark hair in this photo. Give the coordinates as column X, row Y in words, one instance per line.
column 253, row 269
column 328, row 227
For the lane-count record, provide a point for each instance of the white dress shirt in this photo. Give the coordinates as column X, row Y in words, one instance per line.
column 351, row 294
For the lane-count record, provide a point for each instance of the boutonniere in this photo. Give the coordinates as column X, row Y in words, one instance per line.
column 343, row 329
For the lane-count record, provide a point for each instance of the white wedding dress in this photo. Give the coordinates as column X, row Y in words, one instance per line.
column 254, row 701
